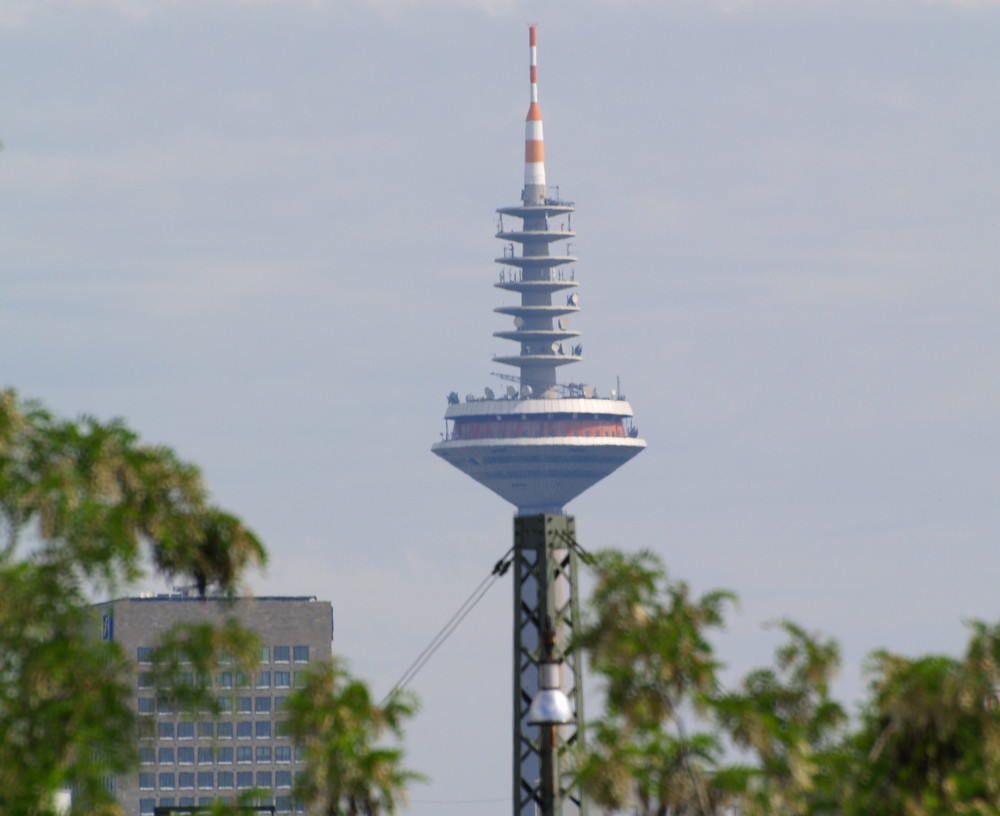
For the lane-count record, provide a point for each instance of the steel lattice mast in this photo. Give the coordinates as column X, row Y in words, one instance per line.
column 538, row 446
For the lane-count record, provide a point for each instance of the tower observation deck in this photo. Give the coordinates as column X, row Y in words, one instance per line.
column 540, row 444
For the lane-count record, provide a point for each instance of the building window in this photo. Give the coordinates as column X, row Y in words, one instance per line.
column 224, row 730
column 279, row 702
column 225, row 680
column 262, row 705
column 263, row 779
column 281, row 729
column 282, row 679
column 265, row 654
column 146, row 705
column 186, row 801
column 244, row 729
column 167, row 780
column 205, row 756
column 147, row 756
column 146, row 807
column 301, row 654
column 225, row 704
column 165, row 706
column 206, row 779
column 144, row 654
column 283, row 804
column 244, row 754
column 206, row 730
column 225, row 779
column 185, row 729
column 166, row 756
column 167, row 801
column 244, row 779
column 165, row 730
column 283, row 753
column 282, row 779
column 147, row 781
column 262, row 729
column 225, row 755
column 300, row 753
column 185, row 756
column 264, row 679
column 282, row 654
column 145, row 680
column 242, row 680
column 300, row 679
column 185, row 780
column 263, row 753
column 244, row 705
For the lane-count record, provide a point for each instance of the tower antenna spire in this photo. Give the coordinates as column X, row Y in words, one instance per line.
column 534, row 143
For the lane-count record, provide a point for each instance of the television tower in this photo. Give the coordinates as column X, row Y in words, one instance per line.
column 539, row 444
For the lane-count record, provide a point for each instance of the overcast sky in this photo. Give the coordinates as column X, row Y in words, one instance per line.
column 262, row 232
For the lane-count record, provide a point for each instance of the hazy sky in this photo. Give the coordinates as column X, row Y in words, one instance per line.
column 262, row 232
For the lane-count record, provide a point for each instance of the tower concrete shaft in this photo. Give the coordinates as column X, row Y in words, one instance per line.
column 536, row 274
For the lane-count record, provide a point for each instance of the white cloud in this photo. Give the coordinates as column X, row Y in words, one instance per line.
column 16, row 12
column 968, row 4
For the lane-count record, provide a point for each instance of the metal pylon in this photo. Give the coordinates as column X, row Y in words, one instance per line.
column 545, row 600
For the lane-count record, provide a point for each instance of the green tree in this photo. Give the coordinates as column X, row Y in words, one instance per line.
column 926, row 741
column 929, row 738
column 349, row 771
column 646, row 638
column 785, row 717
column 86, row 509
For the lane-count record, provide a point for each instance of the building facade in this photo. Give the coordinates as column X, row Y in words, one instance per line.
column 188, row 759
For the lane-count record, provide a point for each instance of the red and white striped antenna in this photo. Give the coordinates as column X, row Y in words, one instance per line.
column 534, row 144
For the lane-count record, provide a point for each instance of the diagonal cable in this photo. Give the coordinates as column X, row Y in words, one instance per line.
column 446, row 631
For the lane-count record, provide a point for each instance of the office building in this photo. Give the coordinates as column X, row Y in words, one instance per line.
column 189, row 759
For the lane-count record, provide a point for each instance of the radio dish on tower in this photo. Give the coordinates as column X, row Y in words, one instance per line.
column 573, row 299
column 489, row 393
column 518, row 322
column 564, row 323
column 511, row 391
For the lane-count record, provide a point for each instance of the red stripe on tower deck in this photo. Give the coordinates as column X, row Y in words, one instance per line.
column 534, row 74
column 534, row 151
column 532, row 37
column 534, row 113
